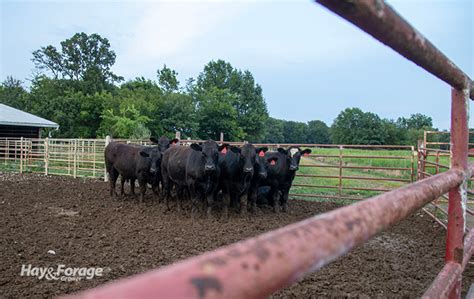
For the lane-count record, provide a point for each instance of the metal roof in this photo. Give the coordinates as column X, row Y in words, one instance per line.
column 14, row 117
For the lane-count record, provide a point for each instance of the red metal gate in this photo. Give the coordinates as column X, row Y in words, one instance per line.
column 259, row 266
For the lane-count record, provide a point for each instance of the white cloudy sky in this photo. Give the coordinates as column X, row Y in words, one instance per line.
column 310, row 63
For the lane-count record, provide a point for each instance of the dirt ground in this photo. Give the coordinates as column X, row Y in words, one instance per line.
column 84, row 227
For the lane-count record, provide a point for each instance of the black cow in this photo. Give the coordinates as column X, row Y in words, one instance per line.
column 281, row 173
column 163, row 142
column 241, row 169
column 132, row 162
column 261, row 174
column 195, row 167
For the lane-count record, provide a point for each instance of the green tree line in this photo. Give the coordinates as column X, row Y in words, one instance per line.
column 75, row 87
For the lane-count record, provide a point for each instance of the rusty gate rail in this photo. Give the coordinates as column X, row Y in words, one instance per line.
column 382, row 22
column 259, row 266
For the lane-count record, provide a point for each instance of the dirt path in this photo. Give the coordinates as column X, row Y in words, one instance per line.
column 77, row 220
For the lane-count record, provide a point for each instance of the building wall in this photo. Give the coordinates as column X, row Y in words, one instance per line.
column 19, row 131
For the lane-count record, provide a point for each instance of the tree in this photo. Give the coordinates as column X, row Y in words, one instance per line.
column 124, row 124
column 85, row 58
column 295, row 132
column 274, row 131
column 178, row 113
column 12, row 93
column 394, row 134
column 220, row 78
column 216, row 114
column 318, row 132
column 78, row 114
column 416, row 121
column 353, row 126
column 167, row 79
column 414, row 126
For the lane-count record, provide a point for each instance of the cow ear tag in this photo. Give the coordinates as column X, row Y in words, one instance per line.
column 272, row 162
column 261, row 154
column 224, row 150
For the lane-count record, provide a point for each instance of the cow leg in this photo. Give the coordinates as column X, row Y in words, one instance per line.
column 243, row 203
column 276, row 201
column 226, row 199
column 113, row 173
column 122, row 182
column 284, row 200
column 194, row 198
column 142, row 184
column 167, row 190
column 210, row 202
column 251, row 200
column 132, row 187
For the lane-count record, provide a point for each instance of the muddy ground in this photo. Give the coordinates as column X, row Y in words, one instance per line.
column 84, row 227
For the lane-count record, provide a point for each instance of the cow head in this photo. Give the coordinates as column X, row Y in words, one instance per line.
column 261, row 164
column 163, row 143
column 293, row 155
column 153, row 157
column 247, row 157
column 209, row 151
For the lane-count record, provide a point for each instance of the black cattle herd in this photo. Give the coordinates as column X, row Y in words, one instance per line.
column 205, row 172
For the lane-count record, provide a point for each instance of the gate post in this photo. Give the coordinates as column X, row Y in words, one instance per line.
column 340, row 170
column 458, row 196
column 75, row 159
column 106, row 175
column 46, row 155
column 21, row 155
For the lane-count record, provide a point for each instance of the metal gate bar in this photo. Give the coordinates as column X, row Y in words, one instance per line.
column 259, row 266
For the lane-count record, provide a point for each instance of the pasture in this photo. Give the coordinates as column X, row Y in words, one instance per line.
column 78, row 220
column 328, row 171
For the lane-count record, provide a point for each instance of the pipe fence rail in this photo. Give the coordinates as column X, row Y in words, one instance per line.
column 435, row 157
column 259, row 266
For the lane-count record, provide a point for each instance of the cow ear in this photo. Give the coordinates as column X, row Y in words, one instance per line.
column 174, row 141
column 144, row 154
column 273, row 160
column 306, row 152
column 223, row 146
column 261, row 150
column 153, row 140
column 196, row 147
column 282, row 151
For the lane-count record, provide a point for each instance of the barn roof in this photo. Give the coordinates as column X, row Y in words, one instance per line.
column 14, row 117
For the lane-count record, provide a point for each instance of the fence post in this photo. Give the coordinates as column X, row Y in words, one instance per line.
column 340, row 170
column 94, row 153
column 178, row 135
column 21, row 155
column 435, row 211
column 7, row 150
column 458, row 196
column 106, row 175
column 221, row 137
column 46, row 155
column 412, row 171
column 69, row 156
column 74, row 165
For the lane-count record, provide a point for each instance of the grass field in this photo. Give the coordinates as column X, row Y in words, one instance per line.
column 387, row 158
